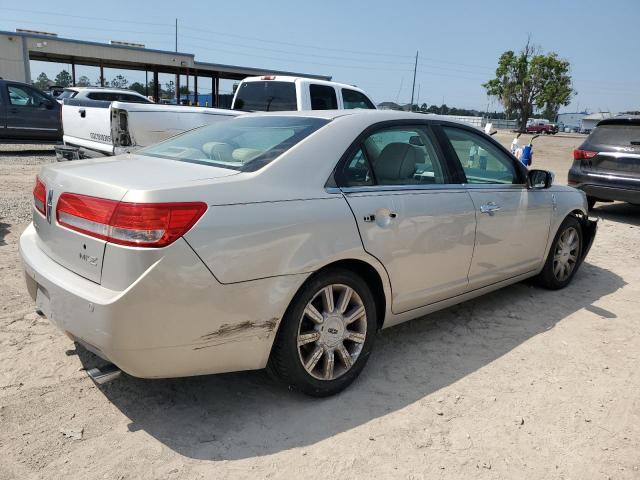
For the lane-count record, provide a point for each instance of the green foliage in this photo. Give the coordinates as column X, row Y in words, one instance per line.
column 83, row 81
column 530, row 80
column 119, row 82
column 139, row 87
column 42, row 81
column 63, row 79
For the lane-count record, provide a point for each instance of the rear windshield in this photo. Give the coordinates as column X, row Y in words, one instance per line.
column 267, row 96
column 244, row 144
column 616, row 135
column 67, row 94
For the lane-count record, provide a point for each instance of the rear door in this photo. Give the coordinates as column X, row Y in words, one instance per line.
column 410, row 214
column 30, row 114
column 617, row 146
column 513, row 221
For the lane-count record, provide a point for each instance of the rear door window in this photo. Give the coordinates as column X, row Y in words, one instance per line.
column 354, row 99
column 104, row 96
column 323, row 97
column 267, row 96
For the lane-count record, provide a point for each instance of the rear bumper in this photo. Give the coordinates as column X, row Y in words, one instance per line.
column 606, row 187
column 175, row 320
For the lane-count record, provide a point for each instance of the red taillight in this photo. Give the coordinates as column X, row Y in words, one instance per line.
column 583, row 154
column 133, row 224
column 40, row 196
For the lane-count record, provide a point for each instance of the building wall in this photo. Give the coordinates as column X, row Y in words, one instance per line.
column 13, row 65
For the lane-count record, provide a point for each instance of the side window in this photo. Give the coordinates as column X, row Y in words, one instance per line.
column 323, row 97
column 356, row 172
column 125, row 97
column 395, row 156
column 104, row 96
column 353, row 99
column 25, row 97
column 481, row 161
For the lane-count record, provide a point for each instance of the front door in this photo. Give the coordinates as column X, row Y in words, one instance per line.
column 30, row 114
column 409, row 214
column 513, row 221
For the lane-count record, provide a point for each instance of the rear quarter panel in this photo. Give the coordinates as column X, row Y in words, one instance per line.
column 257, row 240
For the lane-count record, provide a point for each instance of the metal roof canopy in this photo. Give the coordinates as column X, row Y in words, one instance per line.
column 79, row 52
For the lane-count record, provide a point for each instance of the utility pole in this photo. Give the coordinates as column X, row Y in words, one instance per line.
column 415, row 68
column 176, row 34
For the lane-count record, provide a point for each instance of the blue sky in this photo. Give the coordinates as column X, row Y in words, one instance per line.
column 372, row 43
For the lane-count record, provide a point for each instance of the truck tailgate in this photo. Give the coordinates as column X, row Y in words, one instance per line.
column 87, row 124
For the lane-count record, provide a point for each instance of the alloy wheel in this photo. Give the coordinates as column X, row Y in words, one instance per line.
column 565, row 256
column 332, row 332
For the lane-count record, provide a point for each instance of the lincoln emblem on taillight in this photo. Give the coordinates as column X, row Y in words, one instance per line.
column 49, row 205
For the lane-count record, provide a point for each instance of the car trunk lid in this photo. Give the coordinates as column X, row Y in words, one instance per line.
column 109, row 179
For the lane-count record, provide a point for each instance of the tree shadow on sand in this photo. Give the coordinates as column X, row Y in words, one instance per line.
column 242, row 415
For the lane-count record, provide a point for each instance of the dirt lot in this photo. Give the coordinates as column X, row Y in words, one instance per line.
column 522, row 383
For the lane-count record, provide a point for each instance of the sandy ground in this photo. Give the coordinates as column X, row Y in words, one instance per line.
column 522, row 383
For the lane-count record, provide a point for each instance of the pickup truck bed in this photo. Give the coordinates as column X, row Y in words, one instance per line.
column 96, row 128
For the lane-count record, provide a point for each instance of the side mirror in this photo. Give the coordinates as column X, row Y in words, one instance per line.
column 539, row 179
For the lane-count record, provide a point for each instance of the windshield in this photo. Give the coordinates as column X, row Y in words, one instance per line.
column 244, row 144
column 267, row 96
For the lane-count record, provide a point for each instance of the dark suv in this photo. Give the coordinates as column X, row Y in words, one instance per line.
column 28, row 114
column 607, row 164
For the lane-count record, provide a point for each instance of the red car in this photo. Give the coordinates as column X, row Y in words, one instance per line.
column 540, row 127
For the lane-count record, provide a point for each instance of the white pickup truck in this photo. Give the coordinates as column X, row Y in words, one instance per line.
column 97, row 128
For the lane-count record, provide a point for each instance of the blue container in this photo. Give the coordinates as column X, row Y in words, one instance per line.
column 527, row 153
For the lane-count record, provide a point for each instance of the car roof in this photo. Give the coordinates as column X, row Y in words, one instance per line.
column 288, row 78
column 378, row 115
column 620, row 120
column 103, row 89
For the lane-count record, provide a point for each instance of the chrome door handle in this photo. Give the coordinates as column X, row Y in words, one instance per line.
column 490, row 208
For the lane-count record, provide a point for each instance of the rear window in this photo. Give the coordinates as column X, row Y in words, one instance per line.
column 244, row 144
column 323, row 97
column 355, row 99
column 616, row 135
column 67, row 94
column 267, row 96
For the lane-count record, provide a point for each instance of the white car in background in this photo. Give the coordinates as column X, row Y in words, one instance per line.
column 288, row 239
column 102, row 94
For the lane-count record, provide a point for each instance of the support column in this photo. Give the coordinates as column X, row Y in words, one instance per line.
column 195, row 89
column 156, row 86
column 178, row 88
column 217, row 103
column 101, row 76
column 73, row 72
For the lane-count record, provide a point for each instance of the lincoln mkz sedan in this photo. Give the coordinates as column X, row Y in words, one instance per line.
column 286, row 241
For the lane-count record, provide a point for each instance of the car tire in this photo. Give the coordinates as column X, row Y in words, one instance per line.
column 591, row 202
column 319, row 350
column 565, row 250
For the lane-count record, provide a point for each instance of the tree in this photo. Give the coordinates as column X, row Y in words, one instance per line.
column 139, row 87
column 83, row 81
column 530, row 80
column 42, row 81
column 63, row 79
column 119, row 82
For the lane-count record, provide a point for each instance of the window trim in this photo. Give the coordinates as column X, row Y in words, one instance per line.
column 450, row 152
column 334, row 181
